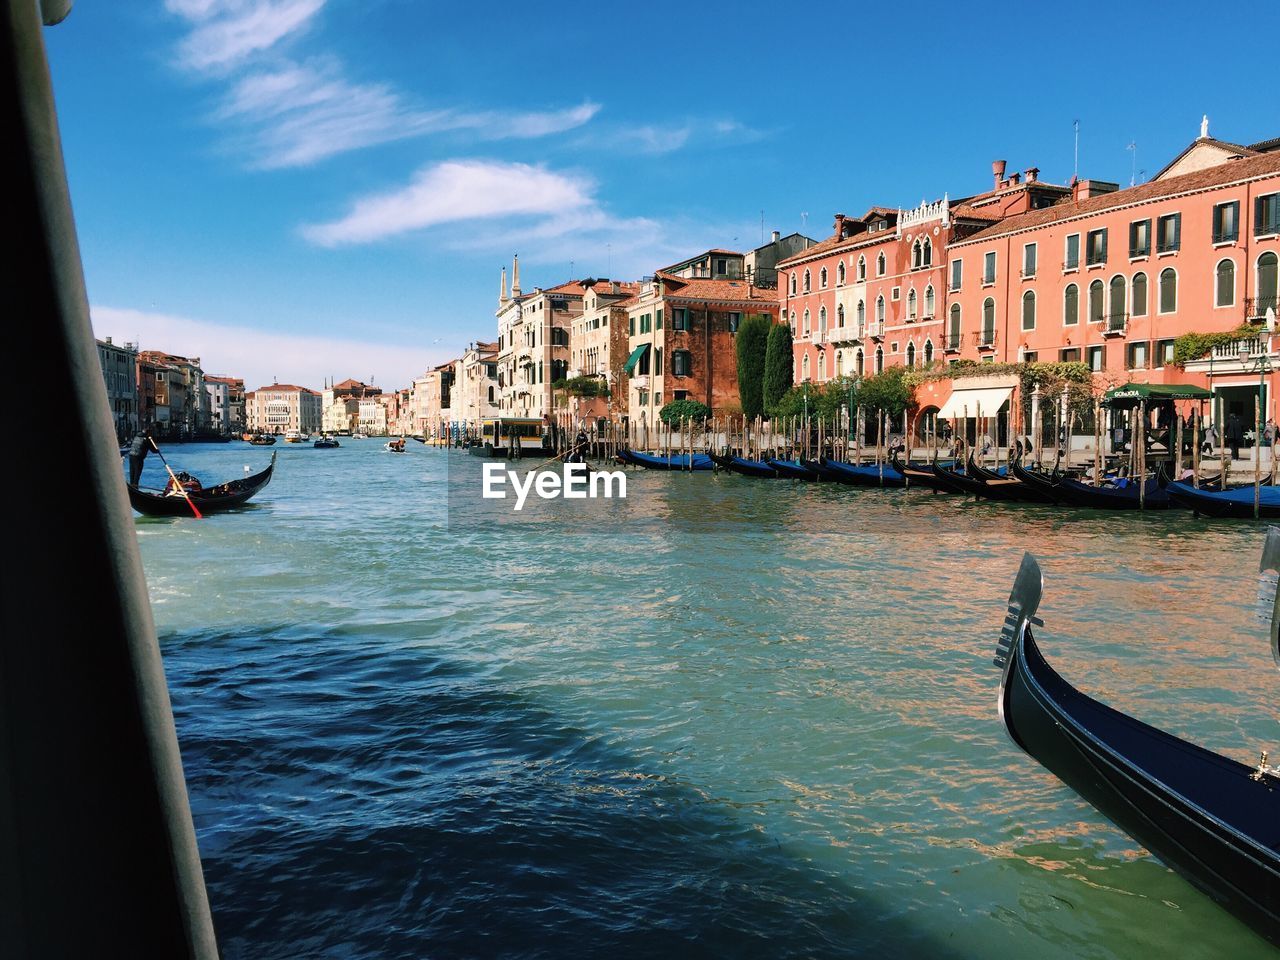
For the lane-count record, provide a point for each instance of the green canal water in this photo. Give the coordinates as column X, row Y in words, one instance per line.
column 724, row 717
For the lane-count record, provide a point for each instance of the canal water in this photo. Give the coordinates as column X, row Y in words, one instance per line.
column 740, row 718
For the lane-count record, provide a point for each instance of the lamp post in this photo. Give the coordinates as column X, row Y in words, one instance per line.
column 1262, row 366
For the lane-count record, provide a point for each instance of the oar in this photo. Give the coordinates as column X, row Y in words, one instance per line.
column 191, row 503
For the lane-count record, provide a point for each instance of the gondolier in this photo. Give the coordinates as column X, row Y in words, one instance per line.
column 138, row 450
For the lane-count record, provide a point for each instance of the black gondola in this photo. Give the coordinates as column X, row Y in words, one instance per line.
column 1214, row 820
column 1007, row 488
column 1110, row 496
column 959, row 482
column 1046, row 483
column 1236, row 503
column 922, row 475
column 748, row 468
column 224, row 496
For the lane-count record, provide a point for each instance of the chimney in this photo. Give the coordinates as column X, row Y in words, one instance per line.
column 108, row 341
column 839, row 225
column 1014, row 179
column 613, row 286
column 776, row 236
column 997, row 170
column 1033, row 174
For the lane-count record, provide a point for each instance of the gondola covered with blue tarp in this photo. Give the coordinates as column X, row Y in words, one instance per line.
column 1228, row 503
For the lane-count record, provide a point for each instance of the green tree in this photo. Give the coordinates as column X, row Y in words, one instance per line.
column 677, row 410
column 778, row 364
column 752, row 342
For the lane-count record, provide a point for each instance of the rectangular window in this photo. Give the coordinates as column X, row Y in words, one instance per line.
column 989, row 268
column 679, row 319
column 1097, row 359
column 1069, row 355
column 1226, row 222
column 1266, row 215
column 736, row 318
column 1169, row 233
column 1138, row 356
column 644, row 398
column 896, row 293
column 657, row 363
column 1031, row 356
column 1140, row 238
column 957, row 271
column 632, row 325
column 659, row 318
column 1096, row 247
column 1029, row 260
column 1164, row 353
column 680, row 394
column 1072, row 260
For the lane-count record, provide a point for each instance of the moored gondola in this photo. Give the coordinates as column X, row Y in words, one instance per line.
column 1120, row 495
column 650, row 461
column 744, row 466
column 1214, row 820
column 921, row 475
column 1046, row 483
column 1237, row 502
column 793, row 469
column 1002, row 486
column 216, row 499
column 863, row 475
column 958, row 481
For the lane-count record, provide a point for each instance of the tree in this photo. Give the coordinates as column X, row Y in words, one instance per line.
column 752, row 342
column 778, row 365
column 678, row 410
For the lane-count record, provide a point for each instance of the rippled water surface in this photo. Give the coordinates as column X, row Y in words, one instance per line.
column 742, row 718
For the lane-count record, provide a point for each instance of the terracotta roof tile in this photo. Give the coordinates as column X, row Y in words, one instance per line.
column 1233, row 171
column 724, row 291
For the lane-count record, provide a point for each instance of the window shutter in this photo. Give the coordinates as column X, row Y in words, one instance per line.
column 1258, row 210
column 1104, row 244
column 659, row 318
column 1177, row 231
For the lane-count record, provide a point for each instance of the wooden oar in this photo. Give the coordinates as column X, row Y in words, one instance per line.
column 191, row 503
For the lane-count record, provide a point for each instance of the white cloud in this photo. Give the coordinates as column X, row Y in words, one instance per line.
column 669, row 137
column 259, row 356
column 453, row 191
column 226, row 32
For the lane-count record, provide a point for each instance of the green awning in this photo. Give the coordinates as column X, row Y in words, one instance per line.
column 636, row 354
column 1131, row 394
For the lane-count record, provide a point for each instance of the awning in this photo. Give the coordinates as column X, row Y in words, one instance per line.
column 636, row 354
column 1131, row 394
column 967, row 403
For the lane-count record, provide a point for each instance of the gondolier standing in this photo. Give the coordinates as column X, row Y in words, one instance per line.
column 138, row 450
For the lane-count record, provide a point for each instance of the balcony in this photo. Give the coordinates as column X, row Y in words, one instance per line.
column 951, row 342
column 876, row 330
column 1115, row 324
column 1255, row 308
column 985, row 339
column 842, row 335
column 1252, row 347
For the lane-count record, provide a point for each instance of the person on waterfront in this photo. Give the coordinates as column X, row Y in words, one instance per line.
column 138, row 450
column 1269, row 433
column 1234, row 435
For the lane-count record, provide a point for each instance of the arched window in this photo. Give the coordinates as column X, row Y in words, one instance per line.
column 822, row 319
column 793, row 284
column 953, row 332
column 880, row 264
column 840, row 315
column 491, row 394
column 1168, row 290
column 822, row 367
column 807, row 323
column 1029, row 310
column 1071, row 305
column 840, row 274
column 1266, row 285
column 928, row 352
column 862, row 317
column 1138, row 293
column 911, row 304
column 880, row 309
column 928, row 302
column 858, row 363
column 839, row 364
column 804, row 366
column 926, row 253
column 822, row 278
column 794, row 330
column 879, row 359
column 988, row 321
column 911, row 354
column 1118, row 298
column 808, row 282
column 1097, row 301
column 915, row 256
column 862, row 268
column 1225, row 284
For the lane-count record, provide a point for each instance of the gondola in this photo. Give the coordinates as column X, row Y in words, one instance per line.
column 263, row 440
column 959, row 481
column 793, row 469
column 1268, row 596
column 1110, row 496
column 744, row 466
column 1237, row 502
column 1046, row 483
column 1214, row 820
column 681, row 461
column 921, row 475
column 224, row 496
column 869, row 475
column 1001, row 486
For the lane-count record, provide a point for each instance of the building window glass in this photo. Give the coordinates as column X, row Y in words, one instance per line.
column 1072, row 259
column 1029, row 260
column 1069, row 355
column 928, row 302
column 839, row 364
column 840, row 274
column 989, row 267
column 953, row 330
column 822, row 320
column 840, row 315
column 880, row 265
column 807, row 323
column 804, row 368
column 911, row 305
column 988, row 322
column 1097, row 357
column 862, row 317
column 1266, row 215
column 1139, row 294
column 1029, row 310
column 880, row 309
column 793, row 284
column 957, row 273
column 1225, row 284
column 1071, row 305
column 1097, row 301
column 911, row 354
column 1138, row 356
column 1168, row 290
column 879, row 359
column 927, row 253
column 1164, row 353
column 862, row 268
column 822, row 278
column 808, row 282
column 1226, row 222
column 1140, row 238
column 1169, row 233
column 1118, row 304
column 1266, row 285
column 680, row 363
column 928, row 352
column 822, row 367
column 1096, row 247
column 858, row 363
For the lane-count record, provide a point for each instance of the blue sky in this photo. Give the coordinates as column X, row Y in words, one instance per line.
column 305, row 188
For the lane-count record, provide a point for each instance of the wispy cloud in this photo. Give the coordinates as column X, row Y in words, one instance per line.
column 261, row 356
column 453, row 191
column 283, row 112
column 226, row 32
column 670, row 137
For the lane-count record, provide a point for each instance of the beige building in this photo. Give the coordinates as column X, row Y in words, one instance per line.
column 433, row 401
column 598, row 348
column 282, row 407
column 475, row 388
column 533, row 343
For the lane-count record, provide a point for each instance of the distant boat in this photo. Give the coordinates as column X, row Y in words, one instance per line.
column 395, row 446
column 359, row 436
column 1213, row 819
column 326, row 443
column 296, row 436
column 216, row 499
column 262, row 440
